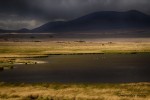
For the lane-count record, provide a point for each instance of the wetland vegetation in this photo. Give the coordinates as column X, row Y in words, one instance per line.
column 12, row 53
column 36, row 49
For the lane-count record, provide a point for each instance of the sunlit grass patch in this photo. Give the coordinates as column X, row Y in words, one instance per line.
column 25, row 49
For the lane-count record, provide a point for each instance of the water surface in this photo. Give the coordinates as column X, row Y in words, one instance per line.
column 97, row 68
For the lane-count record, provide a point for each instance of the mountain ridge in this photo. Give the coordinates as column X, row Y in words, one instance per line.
column 100, row 21
column 97, row 21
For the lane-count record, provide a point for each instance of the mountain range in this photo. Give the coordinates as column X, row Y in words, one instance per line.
column 94, row 22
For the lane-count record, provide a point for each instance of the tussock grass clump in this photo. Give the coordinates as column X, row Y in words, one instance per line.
column 8, row 63
column 4, row 66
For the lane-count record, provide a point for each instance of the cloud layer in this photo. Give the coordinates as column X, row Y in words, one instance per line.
column 16, row 14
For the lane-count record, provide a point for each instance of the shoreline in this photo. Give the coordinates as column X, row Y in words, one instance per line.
column 47, row 55
column 23, row 50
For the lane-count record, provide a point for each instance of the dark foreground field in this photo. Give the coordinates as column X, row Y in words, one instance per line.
column 45, row 91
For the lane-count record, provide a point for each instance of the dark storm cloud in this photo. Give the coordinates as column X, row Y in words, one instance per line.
column 32, row 13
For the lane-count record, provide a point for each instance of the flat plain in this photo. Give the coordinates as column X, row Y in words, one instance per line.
column 12, row 52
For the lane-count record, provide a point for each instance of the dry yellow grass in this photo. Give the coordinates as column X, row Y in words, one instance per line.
column 132, row 91
column 137, row 91
column 34, row 49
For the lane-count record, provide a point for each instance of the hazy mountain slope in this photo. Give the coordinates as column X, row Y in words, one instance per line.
column 99, row 21
column 94, row 22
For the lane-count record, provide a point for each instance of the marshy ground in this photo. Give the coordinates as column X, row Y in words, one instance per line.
column 12, row 52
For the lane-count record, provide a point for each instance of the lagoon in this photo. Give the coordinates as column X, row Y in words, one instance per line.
column 86, row 68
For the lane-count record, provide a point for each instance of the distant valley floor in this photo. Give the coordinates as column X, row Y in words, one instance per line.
column 33, row 48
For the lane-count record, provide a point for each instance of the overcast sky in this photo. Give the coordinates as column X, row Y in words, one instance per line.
column 16, row 14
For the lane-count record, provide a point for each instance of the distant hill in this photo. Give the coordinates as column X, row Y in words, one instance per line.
column 95, row 22
column 99, row 21
column 24, row 30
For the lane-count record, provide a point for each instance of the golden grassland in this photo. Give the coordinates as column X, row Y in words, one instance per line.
column 46, row 91
column 35, row 49
column 12, row 52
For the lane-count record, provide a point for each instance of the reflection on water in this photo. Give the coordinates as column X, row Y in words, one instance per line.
column 83, row 68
